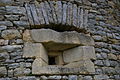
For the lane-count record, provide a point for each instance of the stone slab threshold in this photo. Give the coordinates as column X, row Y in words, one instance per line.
column 60, row 70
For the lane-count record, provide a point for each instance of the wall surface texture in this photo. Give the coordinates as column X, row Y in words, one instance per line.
column 90, row 26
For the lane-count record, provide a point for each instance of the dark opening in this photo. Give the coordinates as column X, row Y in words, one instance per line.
column 51, row 60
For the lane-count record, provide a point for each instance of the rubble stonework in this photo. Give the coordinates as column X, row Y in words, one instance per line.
column 81, row 38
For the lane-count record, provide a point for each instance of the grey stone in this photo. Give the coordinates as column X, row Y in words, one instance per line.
column 4, row 56
column 19, row 41
column 44, row 77
column 6, row 2
column 49, row 12
column 11, row 34
column 2, row 10
column 10, row 73
column 53, row 10
column 59, row 12
column 19, row 72
column 3, row 71
column 28, row 12
column 101, row 0
column 117, row 77
column 13, row 66
column 54, row 77
column 27, row 71
column 6, row 23
column 28, row 64
column 1, row 16
column 27, row 78
column 2, row 27
column 100, row 77
column 14, row 10
column 98, row 71
column 75, row 16
column 34, row 14
column 23, row 24
column 7, row 78
column 106, row 62
column 114, row 63
column 99, row 62
column 44, row 13
column 80, row 77
column 72, row 77
column 88, row 78
column 11, row 48
column 97, row 38
column 12, row 17
column 69, row 13
column 64, row 17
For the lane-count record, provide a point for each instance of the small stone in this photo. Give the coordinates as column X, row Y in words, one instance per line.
column 28, row 65
column 23, row 24
column 44, row 77
column 99, row 62
column 2, row 27
column 6, row 2
column 27, row 78
column 106, row 63
column 4, row 56
column 12, row 17
column 3, row 42
column 72, row 77
column 19, row 72
column 14, row 10
column 54, row 77
column 101, row 77
column 97, row 38
column 10, row 48
column 19, row 41
column 1, row 17
column 87, row 78
column 6, row 23
column 27, row 71
column 13, row 66
column 10, row 73
column 112, row 56
column 3, row 71
column 11, row 34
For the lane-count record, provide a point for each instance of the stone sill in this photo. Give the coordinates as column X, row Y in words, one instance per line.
column 60, row 70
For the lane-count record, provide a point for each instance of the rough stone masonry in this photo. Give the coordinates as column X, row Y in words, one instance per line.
column 59, row 40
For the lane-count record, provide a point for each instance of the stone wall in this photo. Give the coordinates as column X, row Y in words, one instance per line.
column 102, row 24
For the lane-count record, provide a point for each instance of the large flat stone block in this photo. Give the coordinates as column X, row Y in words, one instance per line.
column 60, row 40
column 35, row 50
column 79, row 53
